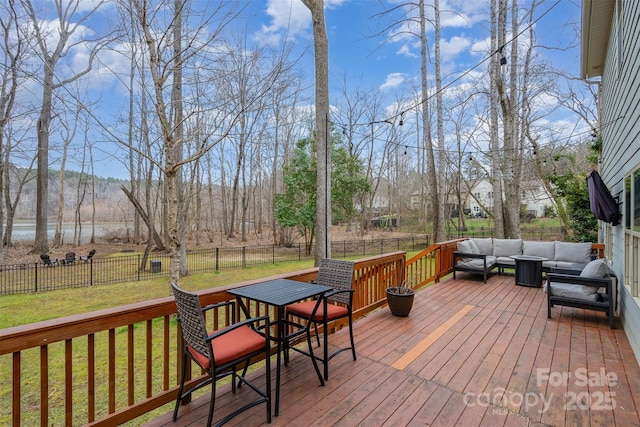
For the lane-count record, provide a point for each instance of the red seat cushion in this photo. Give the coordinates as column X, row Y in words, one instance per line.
column 304, row 310
column 231, row 346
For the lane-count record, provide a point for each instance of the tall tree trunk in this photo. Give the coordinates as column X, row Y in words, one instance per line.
column 12, row 53
column 66, row 27
column 495, row 149
column 439, row 235
column 178, row 129
column 134, row 166
column 512, row 148
column 426, row 126
column 323, row 187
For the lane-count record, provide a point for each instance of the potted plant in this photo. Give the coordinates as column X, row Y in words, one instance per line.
column 400, row 298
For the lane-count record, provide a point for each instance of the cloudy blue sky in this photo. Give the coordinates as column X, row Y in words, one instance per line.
column 362, row 43
column 364, row 46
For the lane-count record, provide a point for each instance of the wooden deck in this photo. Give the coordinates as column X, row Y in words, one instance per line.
column 469, row 354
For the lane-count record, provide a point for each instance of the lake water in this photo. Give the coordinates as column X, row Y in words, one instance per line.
column 24, row 231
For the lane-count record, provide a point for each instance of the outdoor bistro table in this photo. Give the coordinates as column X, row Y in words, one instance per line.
column 279, row 293
column 528, row 270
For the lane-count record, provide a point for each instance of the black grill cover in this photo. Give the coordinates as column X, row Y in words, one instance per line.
column 602, row 203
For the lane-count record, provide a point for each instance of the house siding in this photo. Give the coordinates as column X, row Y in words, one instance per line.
column 620, row 129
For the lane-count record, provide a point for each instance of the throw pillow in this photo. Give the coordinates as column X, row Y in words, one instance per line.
column 485, row 246
column 507, row 247
column 542, row 249
column 573, row 252
column 468, row 247
column 596, row 269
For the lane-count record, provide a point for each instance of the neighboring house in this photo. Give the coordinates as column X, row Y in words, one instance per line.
column 611, row 52
column 481, row 194
column 534, row 196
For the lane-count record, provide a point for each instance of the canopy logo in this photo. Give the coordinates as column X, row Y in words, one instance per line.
column 595, row 394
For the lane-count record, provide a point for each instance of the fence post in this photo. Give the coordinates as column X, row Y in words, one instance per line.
column 244, row 256
column 217, row 259
column 299, row 253
column 91, row 271
column 273, row 254
column 36, row 278
column 138, row 266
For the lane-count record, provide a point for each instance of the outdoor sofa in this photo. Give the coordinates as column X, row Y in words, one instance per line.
column 576, row 276
column 481, row 256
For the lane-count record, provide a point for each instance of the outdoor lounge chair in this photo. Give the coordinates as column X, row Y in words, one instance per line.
column 89, row 256
column 46, row 260
column 336, row 304
column 219, row 353
column 468, row 258
column 591, row 289
column 69, row 258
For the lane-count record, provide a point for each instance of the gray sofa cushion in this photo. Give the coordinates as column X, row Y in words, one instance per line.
column 505, row 260
column 569, row 290
column 507, row 247
column 567, row 265
column 597, row 269
column 477, row 263
column 541, row 249
column 485, row 246
column 579, row 253
column 468, row 247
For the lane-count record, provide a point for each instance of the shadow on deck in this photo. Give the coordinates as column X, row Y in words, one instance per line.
column 469, row 354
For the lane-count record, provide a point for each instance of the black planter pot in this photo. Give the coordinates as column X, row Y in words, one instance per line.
column 400, row 300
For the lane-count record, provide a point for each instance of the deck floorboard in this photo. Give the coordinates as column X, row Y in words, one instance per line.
column 473, row 354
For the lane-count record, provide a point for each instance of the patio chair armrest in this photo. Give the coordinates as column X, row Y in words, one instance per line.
column 564, row 271
column 457, row 254
column 217, row 305
column 592, row 282
column 579, row 280
column 247, row 322
column 338, row 291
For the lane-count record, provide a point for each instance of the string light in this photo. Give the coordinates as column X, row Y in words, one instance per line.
column 503, row 61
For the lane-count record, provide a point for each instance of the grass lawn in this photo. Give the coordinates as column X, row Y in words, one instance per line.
column 23, row 309
column 29, row 308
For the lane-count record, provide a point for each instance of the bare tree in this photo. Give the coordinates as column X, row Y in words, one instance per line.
column 70, row 21
column 12, row 52
column 323, row 187
column 68, row 128
column 164, row 57
column 439, row 209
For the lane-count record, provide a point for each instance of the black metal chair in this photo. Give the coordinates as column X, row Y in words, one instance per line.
column 89, row 256
column 69, row 258
column 46, row 260
column 336, row 304
column 220, row 353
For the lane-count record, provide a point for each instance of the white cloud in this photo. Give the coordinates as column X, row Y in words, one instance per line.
column 454, row 46
column 405, row 50
column 393, row 80
column 289, row 18
column 290, row 15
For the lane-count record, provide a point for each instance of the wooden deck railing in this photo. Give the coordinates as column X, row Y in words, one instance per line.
column 111, row 366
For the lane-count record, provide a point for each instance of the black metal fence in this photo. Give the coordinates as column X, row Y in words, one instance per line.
column 38, row 277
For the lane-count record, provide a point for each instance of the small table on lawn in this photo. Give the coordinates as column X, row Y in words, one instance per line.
column 279, row 293
column 528, row 270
